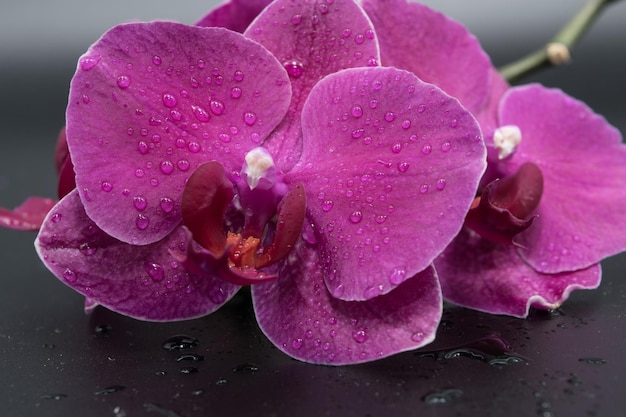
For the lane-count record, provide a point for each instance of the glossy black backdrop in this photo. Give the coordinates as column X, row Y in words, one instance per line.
column 55, row 361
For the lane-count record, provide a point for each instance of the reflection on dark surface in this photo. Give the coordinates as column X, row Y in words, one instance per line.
column 58, row 362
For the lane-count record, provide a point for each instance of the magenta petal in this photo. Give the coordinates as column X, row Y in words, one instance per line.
column 390, row 166
column 27, row 216
column 302, row 319
column 311, row 39
column 583, row 161
column 490, row 277
column 234, row 14
column 144, row 282
column 150, row 102
column 434, row 47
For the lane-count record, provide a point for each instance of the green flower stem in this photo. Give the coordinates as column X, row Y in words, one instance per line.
column 557, row 51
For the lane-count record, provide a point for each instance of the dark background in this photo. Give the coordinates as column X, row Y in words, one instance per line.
column 55, row 361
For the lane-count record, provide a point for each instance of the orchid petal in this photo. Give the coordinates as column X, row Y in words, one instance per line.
column 144, row 282
column 150, row 102
column 234, row 14
column 491, row 277
column 583, row 161
column 312, row 40
column 390, row 167
column 302, row 319
column 27, row 216
column 434, row 47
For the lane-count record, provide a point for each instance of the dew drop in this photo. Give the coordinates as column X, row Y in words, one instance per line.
column 155, row 271
column 359, row 39
column 167, row 204
column 443, row 397
column 179, row 342
column 396, row 147
column 140, row 203
column 156, row 60
column 69, row 275
column 183, row 165
column 427, row 149
column 87, row 250
column 327, row 205
column 88, row 62
column 359, row 336
column 169, row 100
column 356, row 216
column 417, row 336
column 445, row 147
column 397, row 275
column 217, row 107
column 357, row 133
column 357, row 111
column 296, row 19
column 56, row 217
column 406, row 123
column 200, row 113
column 167, row 167
column 106, row 186
column 390, row 116
column 424, row 188
column 235, row 92
column 123, row 81
column 295, row 69
column 249, row 118
column 142, row 222
column 297, row 343
column 373, row 104
column 238, row 76
column 421, row 108
column 441, row 184
column 403, row 166
column 194, row 147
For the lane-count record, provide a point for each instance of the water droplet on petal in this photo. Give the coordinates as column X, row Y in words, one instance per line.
column 357, row 111
column 142, row 222
column 200, row 113
column 327, row 205
column 359, row 336
column 356, row 216
column 140, row 203
column 235, row 92
column 156, row 60
column 297, row 343
column 390, row 116
column 296, row 19
column 88, row 62
column 155, row 271
column 87, row 249
column 441, row 184
column 397, row 275
column 167, row 204
column 169, row 100
column 424, row 188
column 106, row 186
column 69, row 275
column 403, row 166
column 427, row 149
column 123, row 81
column 249, row 118
column 295, row 69
column 217, row 107
column 167, row 167
column 445, row 147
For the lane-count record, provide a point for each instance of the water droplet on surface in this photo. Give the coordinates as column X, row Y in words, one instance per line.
column 140, row 203
column 245, row 368
column 357, row 111
column 357, row 133
column 593, row 361
column 190, row 357
column 88, row 62
column 110, row 390
column 169, row 100
column 87, row 249
column 179, row 342
column 427, row 149
column 360, row 336
column 406, row 123
column 142, row 222
column 167, row 204
column 373, row 104
column 217, row 107
column 235, row 92
column 390, row 116
column 441, row 184
column 200, row 113
column 249, row 118
column 397, row 275
column 123, row 81
column 356, row 216
column 56, row 217
column 445, row 147
column 155, row 271
column 69, row 275
column 106, row 186
column 297, row 343
column 396, row 147
column 186, row 370
column 156, row 60
column 443, row 397
column 167, row 167
column 424, row 188
column 403, row 166
column 295, row 69
column 296, row 19
column 327, row 205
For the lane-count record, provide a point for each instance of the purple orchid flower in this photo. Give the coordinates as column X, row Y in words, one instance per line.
column 206, row 159
column 541, row 230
